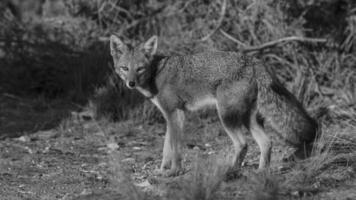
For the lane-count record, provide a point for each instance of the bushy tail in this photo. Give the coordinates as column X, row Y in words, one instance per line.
column 283, row 111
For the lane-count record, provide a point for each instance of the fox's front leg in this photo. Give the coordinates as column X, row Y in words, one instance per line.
column 172, row 149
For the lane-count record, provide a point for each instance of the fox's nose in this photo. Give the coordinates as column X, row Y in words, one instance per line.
column 132, row 84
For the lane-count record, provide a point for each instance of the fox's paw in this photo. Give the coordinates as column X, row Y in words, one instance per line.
column 173, row 172
column 158, row 172
column 169, row 172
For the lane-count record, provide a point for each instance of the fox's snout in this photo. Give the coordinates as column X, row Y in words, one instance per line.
column 131, row 79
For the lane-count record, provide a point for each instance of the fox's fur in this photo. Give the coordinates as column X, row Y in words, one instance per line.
column 240, row 87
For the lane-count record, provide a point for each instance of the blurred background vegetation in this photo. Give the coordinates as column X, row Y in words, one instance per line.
column 55, row 51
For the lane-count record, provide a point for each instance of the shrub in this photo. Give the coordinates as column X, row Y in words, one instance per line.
column 65, row 54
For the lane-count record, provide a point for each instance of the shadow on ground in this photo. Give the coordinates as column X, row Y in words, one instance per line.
column 22, row 116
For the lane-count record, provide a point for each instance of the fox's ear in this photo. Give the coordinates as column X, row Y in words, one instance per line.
column 150, row 46
column 116, row 45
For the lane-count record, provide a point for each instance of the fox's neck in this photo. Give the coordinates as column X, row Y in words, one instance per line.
column 156, row 66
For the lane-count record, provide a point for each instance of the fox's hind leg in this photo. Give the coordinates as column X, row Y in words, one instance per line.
column 262, row 139
column 234, row 104
column 239, row 142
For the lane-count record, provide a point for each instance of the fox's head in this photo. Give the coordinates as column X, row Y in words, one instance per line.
column 132, row 64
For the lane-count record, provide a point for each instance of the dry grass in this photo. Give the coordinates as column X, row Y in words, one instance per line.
column 203, row 181
column 306, row 179
column 122, row 180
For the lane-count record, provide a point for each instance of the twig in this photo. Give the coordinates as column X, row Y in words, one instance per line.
column 120, row 9
column 178, row 11
column 12, row 96
column 104, row 39
column 232, row 38
column 246, row 48
column 286, row 39
column 222, row 14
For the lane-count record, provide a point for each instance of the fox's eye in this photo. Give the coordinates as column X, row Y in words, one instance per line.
column 124, row 68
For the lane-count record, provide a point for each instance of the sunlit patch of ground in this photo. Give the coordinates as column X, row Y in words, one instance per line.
column 88, row 159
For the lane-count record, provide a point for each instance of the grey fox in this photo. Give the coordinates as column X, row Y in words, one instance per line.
column 239, row 86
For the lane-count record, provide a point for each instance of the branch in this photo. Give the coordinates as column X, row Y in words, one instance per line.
column 232, row 38
column 246, row 48
column 222, row 14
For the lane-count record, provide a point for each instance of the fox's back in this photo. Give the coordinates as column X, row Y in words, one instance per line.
column 204, row 72
column 194, row 80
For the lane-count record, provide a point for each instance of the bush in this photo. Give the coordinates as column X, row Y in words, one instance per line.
column 49, row 60
column 64, row 52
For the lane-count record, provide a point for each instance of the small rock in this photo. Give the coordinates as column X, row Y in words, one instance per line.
column 99, row 177
column 45, row 135
column 100, row 133
column 85, row 192
column 23, row 138
column 102, row 148
column 143, row 184
column 211, row 152
column 196, row 148
column 113, row 146
column 207, row 145
column 316, row 185
column 297, row 193
column 136, row 148
column 128, row 160
column 46, row 150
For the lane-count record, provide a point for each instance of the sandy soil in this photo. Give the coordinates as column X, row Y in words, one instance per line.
column 87, row 159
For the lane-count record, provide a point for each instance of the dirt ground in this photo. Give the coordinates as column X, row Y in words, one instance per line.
column 86, row 159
